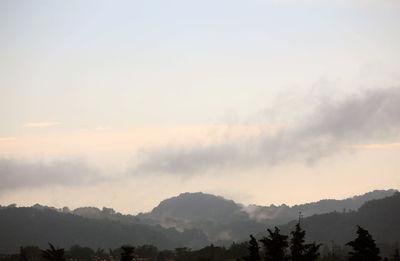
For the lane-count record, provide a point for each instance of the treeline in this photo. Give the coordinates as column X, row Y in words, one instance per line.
column 30, row 226
column 381, row 217
column 279, row 247
column 274, row 247
column 129, row 253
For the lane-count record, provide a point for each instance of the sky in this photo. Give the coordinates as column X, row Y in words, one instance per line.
column 125, row 103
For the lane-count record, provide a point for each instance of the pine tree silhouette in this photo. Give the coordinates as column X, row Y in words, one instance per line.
column 364, row 247
column 275, row 245
column 299, row 250
column 297, row 247
column 253, row 248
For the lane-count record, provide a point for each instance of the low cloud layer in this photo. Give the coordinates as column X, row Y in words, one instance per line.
column 372, row 117
column 18, row 173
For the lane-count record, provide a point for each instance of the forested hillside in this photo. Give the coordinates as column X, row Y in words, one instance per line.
column 205, row 215
column 381, row 217
column 29, row 226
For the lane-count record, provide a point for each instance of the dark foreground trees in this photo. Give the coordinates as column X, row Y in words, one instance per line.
column 364, row 247
column 53, row 254
column 275, row 246
column 128, row 253
column 299, row 250
column 254, row 250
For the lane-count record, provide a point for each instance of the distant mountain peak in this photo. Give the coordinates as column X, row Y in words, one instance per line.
column 197, row 205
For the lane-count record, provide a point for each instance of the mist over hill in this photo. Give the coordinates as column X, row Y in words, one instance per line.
column 195, row 220
column 224, row 220
column 283, row 213
column 220, row 219
column 381, row 217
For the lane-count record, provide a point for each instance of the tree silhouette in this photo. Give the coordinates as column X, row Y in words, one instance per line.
column 299, row 250
column 364, row 247
column 297, row 247
column 253, row 248
column 275, row 245
column 312, row 251
column 53, row 254
column 128, row 253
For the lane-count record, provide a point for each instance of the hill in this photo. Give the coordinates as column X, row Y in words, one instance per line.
column 381, row 217
column 282, row 214
column 31, row 226
column 194, row 220
column 224, row 221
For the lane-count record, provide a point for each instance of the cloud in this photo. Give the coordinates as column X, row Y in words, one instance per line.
column 42, row 124
column 18, row 173
column 370, row 117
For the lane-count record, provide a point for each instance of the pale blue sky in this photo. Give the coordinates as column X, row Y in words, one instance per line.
column 146, row 69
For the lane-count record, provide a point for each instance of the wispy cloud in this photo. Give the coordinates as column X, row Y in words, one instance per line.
column 329, row 129
column 42, row 124
column 19, row 173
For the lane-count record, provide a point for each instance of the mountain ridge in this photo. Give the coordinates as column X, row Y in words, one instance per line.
column 381, row 217
column 95, row 212
column 38, row 225
column 220, row 220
